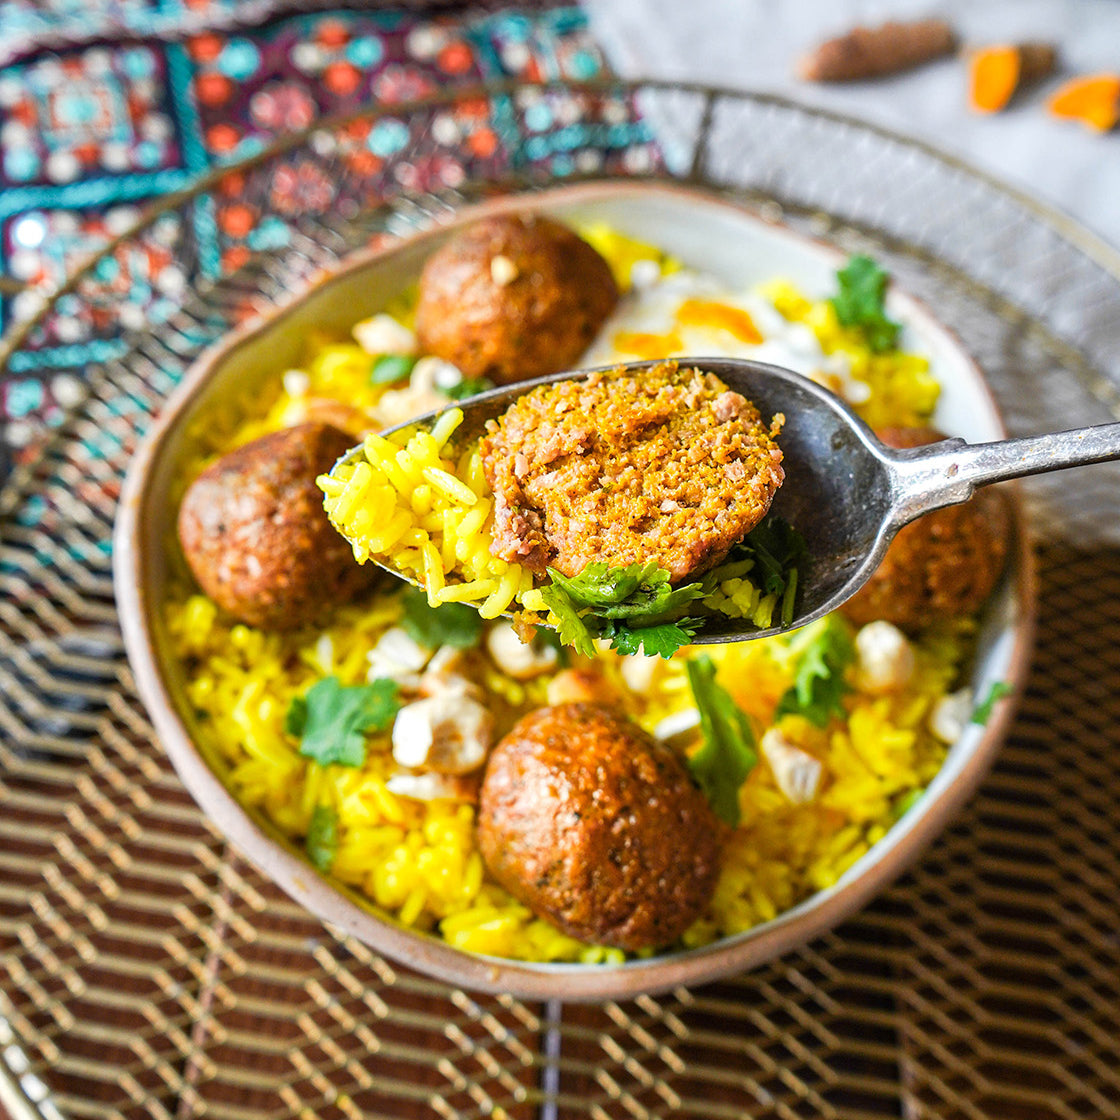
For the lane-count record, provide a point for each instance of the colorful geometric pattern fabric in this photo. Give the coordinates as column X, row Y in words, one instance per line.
column 88, row 134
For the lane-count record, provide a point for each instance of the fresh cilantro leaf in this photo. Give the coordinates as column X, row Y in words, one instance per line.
column 332, row 719
column 662, row 640
column 729, row 754
column 996, row 693
column 295, row 719
column 668, row 602
column 468, row 387
column 778, row 548
column 860, row 303
column 633, row 606
column 601, row 586
column 640, row 592
column 819, row 685
column 391, row 368
column 322, row 837
column 570, row 627
column 450, row 624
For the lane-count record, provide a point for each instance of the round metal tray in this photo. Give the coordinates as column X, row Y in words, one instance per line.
column 147, row 970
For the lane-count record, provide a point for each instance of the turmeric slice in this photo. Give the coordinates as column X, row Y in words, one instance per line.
column 997, row 73
column 1094, row 100
column 870, row 52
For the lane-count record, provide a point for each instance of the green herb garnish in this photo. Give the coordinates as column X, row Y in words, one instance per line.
column 728, row 755
column 572, row 630
column 771, row 553
column 861, row 300
column 635, row 591
column 468, row 387
column 819, row 685
column 331, row 720
column 388, row 369
column 662, row 640
column 322, row 837
column 449, row 624
column 633, row 607
column 996, row 693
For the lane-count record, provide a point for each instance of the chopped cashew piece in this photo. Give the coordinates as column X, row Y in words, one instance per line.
column 951, row 714
column 296, row 383
column 886, row 658
column 435, row 373
column 503, row 271
column 450, row 733
column 579, row 686
column 677, row 724
column 422, row 394
column 638, row 672
column 382, row 334
column 445, row 661
column 644, row 273
column 397, row 656
column 518, row 659
column 448, row 684
column 324, row 654
column 430, row 786
column 796, row 772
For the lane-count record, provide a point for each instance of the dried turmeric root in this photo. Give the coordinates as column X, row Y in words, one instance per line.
column 869, row 52
column 1093, row 100
column 997, row 73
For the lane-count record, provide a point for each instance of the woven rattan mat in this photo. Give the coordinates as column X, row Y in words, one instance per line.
column 148, row 971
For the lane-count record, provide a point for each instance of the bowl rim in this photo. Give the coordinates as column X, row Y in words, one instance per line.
column 273, row 854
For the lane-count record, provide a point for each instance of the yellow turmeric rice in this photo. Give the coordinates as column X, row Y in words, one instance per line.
column 416, row 860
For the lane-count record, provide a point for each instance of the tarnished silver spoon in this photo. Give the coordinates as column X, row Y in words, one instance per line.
column 846, row 492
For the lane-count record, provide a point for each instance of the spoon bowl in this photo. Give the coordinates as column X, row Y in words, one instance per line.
column 845, row 491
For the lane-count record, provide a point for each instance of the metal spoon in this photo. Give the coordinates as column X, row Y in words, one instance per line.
column 845, row 491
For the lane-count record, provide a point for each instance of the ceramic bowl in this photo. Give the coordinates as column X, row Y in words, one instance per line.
column 712, row 235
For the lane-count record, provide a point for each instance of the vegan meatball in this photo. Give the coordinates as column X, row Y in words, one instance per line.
column 598, row 828
column 255, row 534
column 661, row 464
column 513, row 297
column 944, row 564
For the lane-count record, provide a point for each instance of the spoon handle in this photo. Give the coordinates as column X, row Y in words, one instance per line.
column 946, row 473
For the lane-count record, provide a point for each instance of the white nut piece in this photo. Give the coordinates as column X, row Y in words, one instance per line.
column 951, row 715
column 578, row 686
column 445, row 661
column 296, row 383
column 397, row 656
column 435, row 373
column 644, row 273
column 429, row 786
column 679, row 723
column 324, row 654
column 638, row 671
column 796, row 772
column 382, row 334
column 400, row 405
column 450, row 733
column 503, row 271
column 886, row 658
column 518, row 659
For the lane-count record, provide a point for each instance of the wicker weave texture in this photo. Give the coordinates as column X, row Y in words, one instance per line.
column 148, row 971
